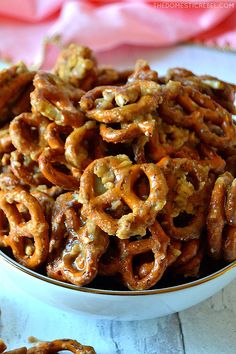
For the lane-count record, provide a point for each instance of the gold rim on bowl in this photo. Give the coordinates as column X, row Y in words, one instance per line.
column 171, row 289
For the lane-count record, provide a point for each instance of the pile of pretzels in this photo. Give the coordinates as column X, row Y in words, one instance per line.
column 118, row 175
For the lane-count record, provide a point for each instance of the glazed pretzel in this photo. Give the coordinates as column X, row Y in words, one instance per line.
column 84, row 145
column 59, row 345
column 134, row 100
column 13, row 82
column 77, row 65
column 206, row 156
column 117, row 179
column 56, row 100
column 220, row 91
column 221, row 225
column 46, row 202
column 75, row 247
column 166, row 140
column 125, row 132
column 27, row 133
column 157, row 244
column 189, row 185
column 27, row 232
column 27, row 170
column 58, row 171
column 55, row 346
column 211, row 122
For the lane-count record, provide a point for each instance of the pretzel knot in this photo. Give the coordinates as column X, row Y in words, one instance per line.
column 107, row 192
column 149, row 254
column 183, row 217
column 58, row 171
column 26, row 169
column 57, row 100
column 27, row 134
column 125, row 132
column 23, row 227
column 221, row 219
column 111, row 104
column 84, row 145
column 220, row 91
column 189, row 108
column 75, row 246
column 59, row 345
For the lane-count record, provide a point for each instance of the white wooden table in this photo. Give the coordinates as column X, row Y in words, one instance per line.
column 208, row 328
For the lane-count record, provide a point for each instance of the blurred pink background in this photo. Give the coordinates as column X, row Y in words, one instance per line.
column 28, row 26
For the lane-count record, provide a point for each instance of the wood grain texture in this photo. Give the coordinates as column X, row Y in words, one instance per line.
column 207, row 328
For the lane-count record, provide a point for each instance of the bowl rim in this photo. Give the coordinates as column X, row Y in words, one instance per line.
column 85, row 289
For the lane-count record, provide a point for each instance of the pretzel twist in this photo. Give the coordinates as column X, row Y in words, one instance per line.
column 221, row 226
column 157, row 244
column 56, row 100
column 211, row 122
column 28, row 239
column 128, row 131
column 55, row 346
column 220, row 91
column 58, row 171
column 75, row 247
column 27, row 132
column 117, row 179
column 27, row 170
column 84, row 145
column 187, row 197
column 133, row 100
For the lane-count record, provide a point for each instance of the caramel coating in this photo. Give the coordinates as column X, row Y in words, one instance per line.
column 221, row 230
column 25, row 229
column 22, row 130
column 56, row 100
column 188, row 108
column 109, row 181
column 133, row 100
column 54, row 346
column 75, row 247
column 188, row 184
column 77, row 65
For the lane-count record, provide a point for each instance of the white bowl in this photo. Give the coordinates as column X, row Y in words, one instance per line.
column 115, row 305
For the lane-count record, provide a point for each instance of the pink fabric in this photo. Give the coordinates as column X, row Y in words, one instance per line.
column 102, row 25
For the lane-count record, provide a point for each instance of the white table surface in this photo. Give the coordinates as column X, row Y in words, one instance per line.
column 208, row 328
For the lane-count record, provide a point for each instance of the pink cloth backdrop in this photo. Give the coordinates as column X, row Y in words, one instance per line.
column 102, row 25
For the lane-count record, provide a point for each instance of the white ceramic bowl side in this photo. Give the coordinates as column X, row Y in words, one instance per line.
column 115, row 305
